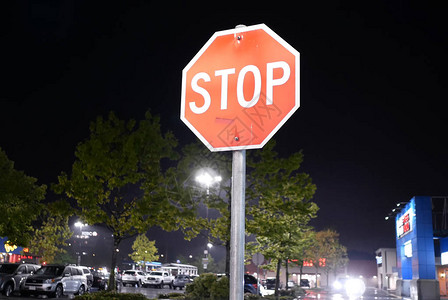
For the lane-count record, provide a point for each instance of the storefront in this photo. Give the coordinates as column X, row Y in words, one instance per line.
column 386, row 261
column 14, row 254
column 416, row 250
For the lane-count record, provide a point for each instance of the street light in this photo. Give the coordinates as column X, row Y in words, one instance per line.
column 207, row 180
column 80, row 225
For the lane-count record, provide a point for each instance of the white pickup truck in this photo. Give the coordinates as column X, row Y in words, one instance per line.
column 158, row 279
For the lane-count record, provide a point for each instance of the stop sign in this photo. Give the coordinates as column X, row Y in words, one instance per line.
column 240, row 88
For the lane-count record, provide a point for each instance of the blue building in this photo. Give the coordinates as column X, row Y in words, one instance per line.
column 422, row 248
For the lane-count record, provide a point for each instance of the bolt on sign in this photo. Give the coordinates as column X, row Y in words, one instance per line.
column 240, row 88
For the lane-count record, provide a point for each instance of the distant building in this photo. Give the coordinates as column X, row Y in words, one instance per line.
column 387, row 275
column 13, row 254
column 364, row 269
column 421, row 256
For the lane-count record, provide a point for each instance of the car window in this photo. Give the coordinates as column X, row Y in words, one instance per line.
column 51, row 270
column 129, row 272
column 86, row 271
column 68, row 270
column 99, row 273
column 21, row 269
column 8, row 268
column 141, row 273
column 250, row 279
column 156, row 273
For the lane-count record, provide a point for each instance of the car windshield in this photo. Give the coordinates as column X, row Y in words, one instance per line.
column 99, row 273
column 8, row 268
column 156, row 273
column 50, row 270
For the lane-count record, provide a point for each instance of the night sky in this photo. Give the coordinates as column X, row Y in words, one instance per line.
column 372, row 122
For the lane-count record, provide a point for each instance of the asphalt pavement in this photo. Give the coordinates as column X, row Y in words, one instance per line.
column 150, row 293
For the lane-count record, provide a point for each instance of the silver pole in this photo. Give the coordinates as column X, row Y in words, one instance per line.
column 237, row 225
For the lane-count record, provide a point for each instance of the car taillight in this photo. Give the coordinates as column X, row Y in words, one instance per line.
column 255, row 286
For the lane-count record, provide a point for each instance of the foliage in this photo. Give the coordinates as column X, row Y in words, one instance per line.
column 337, row 259
column 20, row 199
column 64, row 258
column 279, row 204
column 49, row 239
column 208, row 286
column 195, row 159
column 220, row 289
column 117, row 179
column 171, row 296
column 107, row 295
column 326, row 245
column 144, row 250
column 248, row 296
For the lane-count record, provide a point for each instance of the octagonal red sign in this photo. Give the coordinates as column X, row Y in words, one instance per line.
column 240, row 88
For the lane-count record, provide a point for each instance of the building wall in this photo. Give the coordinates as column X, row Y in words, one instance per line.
column 415, row 246
column 386, row 268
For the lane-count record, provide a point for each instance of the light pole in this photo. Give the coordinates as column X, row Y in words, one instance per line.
column 80, row 225
column 207, row 179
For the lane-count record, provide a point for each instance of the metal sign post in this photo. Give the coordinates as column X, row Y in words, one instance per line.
column 237, row 225
column 217, row 107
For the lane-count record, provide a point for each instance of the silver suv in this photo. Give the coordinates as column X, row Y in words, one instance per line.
column 55, row 281
column 12, row 276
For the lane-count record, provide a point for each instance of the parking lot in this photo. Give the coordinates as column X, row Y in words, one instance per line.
column 150, row 293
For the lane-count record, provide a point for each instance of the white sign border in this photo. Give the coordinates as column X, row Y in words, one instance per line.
column 204, row 48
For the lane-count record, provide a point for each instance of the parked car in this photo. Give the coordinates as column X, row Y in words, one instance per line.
column 159, row 279
column 55, row 281
column 250, row 284
column 133, row 277
column 304, row 283
column 181, row 280
column 100, row 280
column 270, row 284
column 13, row 275
column 89, row 276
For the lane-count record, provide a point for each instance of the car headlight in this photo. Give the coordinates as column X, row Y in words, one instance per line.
column 355, row 288
column 52, row 280
column 337, row 285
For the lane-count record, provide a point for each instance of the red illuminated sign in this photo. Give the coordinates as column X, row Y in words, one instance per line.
column 404, row 224
column 311, row 264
